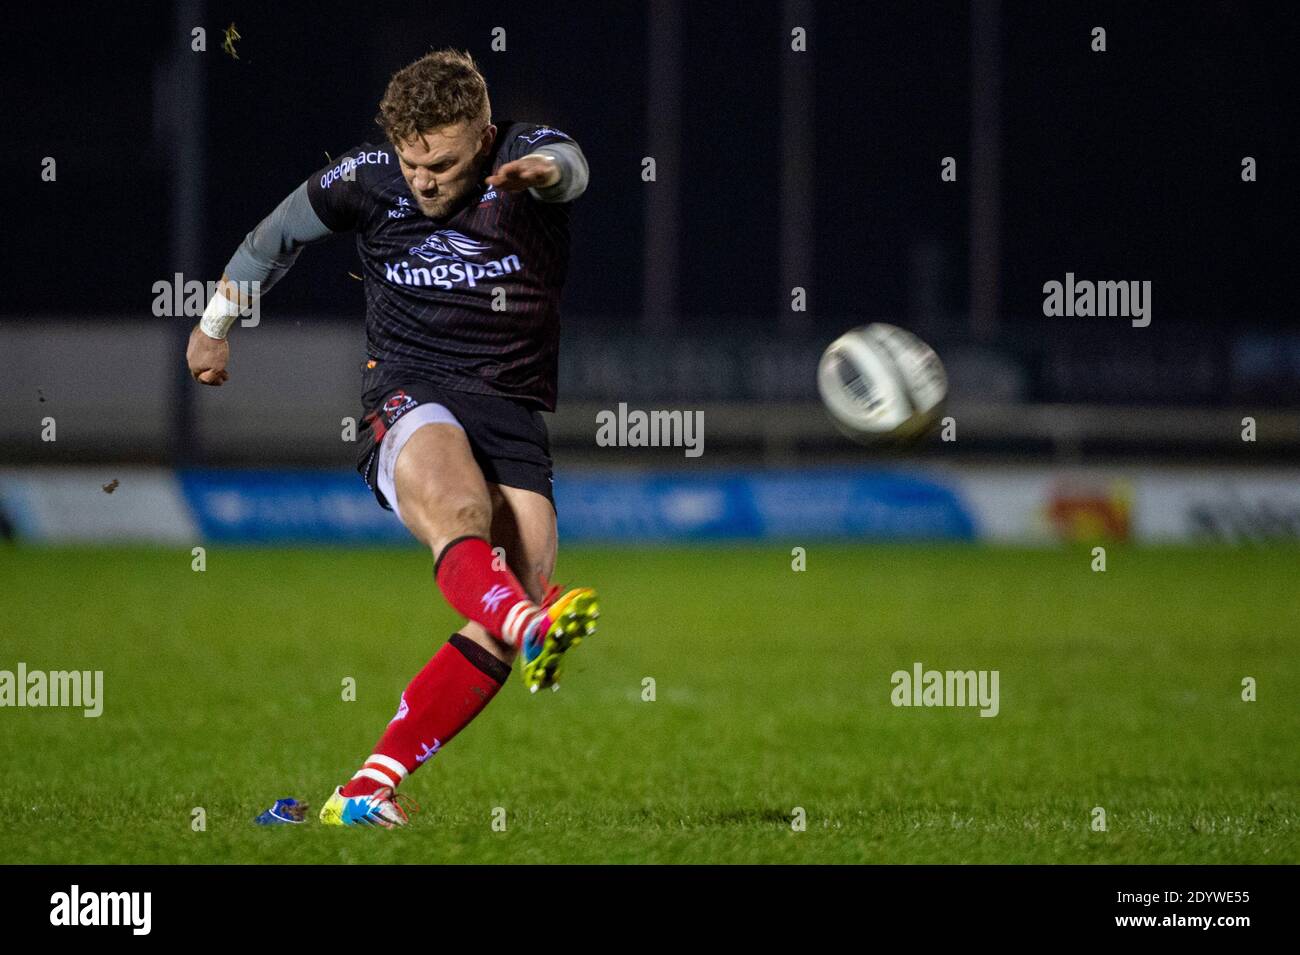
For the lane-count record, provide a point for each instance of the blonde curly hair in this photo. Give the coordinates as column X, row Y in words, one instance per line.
column 439, row 89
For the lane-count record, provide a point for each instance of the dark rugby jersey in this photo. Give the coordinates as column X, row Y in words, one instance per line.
column 429, row 283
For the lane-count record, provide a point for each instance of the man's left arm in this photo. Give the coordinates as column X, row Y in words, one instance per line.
column 554, row 172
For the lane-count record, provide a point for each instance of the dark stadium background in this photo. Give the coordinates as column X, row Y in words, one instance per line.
column 1116, row 165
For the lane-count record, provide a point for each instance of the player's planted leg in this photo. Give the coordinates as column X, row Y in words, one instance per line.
column 452, row 689
column 466, row 674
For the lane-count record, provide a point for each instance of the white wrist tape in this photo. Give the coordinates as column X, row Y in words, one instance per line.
column 219, row 316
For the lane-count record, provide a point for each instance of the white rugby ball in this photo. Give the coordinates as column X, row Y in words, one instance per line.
column 881, row 382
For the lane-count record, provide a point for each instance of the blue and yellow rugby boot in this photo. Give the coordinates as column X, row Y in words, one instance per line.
column 380, row 808
column 568, row 619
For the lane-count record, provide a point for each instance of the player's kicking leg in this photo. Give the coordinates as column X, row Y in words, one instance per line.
column 441, row 496
column 523, row 524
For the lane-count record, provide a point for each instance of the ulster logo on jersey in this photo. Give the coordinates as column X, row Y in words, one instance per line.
column 398, row 404
column 448, row 244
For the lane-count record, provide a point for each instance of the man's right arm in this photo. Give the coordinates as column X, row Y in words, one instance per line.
column 264, row 256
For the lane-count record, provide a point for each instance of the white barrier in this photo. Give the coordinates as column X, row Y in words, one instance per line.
column 1146, row 504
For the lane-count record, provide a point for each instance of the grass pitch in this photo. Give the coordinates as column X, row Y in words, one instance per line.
column 1119, row 690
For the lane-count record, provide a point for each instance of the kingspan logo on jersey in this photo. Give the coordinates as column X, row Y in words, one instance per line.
column 446, row 251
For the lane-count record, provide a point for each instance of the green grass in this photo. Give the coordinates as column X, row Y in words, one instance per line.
column 1119, row 689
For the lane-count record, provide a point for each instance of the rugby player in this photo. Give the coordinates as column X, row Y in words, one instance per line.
column 462, row 228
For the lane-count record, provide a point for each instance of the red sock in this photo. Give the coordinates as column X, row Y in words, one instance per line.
column 441, row 701
column 468, row 577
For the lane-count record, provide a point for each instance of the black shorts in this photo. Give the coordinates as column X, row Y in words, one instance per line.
column 508, row 437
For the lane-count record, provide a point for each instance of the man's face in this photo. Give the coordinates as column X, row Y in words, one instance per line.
column 441, row 166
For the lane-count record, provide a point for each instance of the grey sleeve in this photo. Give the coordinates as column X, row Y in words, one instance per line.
column 272, row 247
column 573, row 172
